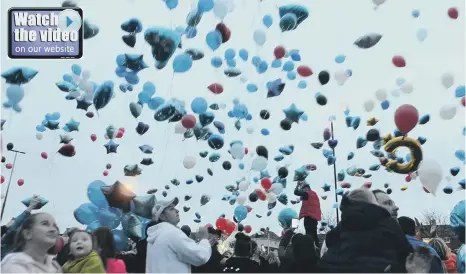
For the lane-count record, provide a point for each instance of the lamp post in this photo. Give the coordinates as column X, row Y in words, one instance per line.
column 9, row 181
column 334, row 172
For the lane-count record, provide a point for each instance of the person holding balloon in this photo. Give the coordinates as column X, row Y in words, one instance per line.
column 310, row 209
column 213, row 265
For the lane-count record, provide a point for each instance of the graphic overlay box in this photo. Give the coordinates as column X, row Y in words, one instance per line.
column 45, row 33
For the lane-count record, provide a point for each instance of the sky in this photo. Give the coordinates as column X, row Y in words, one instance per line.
column 330, row 30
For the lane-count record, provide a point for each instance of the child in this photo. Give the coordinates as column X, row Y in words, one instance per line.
column 83, row 257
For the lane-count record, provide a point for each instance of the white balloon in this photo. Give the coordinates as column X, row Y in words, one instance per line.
column 86, row 74
column 341, row 76
column 448, row 112
column 271, row 197
column 421, row 34
column 241, row 199
column 237, row 151
column 430, row 174
column 448, row 80
column 76, row 78
column 407, row 88
column 74, row 93
column 243, row 186
column 250, row 130
column 221, row 9
column 179, row 129
column 189, row 162
column 276, row 188
column 369, row 105
column 259, row 37
column 243, row 79
column 259, row 163
column 381, row 94
column 39, row 136
column 395, row 93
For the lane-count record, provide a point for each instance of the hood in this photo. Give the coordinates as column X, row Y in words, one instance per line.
column 26, row 261
column 361, row 216
column 154, row 232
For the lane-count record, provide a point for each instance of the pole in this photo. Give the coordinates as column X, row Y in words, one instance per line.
column 9, row 181
column 335, row 174
column 268, row 240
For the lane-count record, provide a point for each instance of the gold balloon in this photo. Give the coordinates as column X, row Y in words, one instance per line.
column 416, row 155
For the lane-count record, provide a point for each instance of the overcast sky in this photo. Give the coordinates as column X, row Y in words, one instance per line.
column 330, row 30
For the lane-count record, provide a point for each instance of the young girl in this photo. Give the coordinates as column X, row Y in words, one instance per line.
column 107, row 251
column 84, row 258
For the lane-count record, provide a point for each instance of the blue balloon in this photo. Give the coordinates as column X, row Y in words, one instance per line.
column 41, row 128
column 460, row 154
column 303, row 117
column 180, row 30
column 385, row 104
column 276, row 63
column 243, row 54
column 155, row 102
column 235, row 101
column 230, row 54
column 120, row 71
column 76, row 69
column 340, row 59
column 241, row 166
column 110, row 217
column 68, row 78
column 216, row 62
column 182, row 63
column 123, row 87
column 148, row 88
column 288, row 22
column 171, row 4
column 295, row 56
column 262, row 67
column 265, row 132
column 52, row 116
column 285, row 216
column 95, row 194
column 288, row 66
column 415, row 13
column 205, row 5
column 191, row 32
column 231, row 63
column 460, row 92
column 93, row 226
column 132, row 78
column 15, row 94
column 230, row 114
column 256, row 60
column 240, row 111
column 143, row 98
column 267, row 21
column 214, row 39
column 249, row 117
column 291, row 75
column 251, row 88
column 241, row 212
column 349, row 72
column 121, row 60
column 121, row 240
column 86, row 213
column 302, row 84
column 199, row 105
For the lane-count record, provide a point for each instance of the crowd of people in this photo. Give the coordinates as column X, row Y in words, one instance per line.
column 369, row 238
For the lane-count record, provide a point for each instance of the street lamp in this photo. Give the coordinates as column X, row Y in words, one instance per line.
column 9, row 181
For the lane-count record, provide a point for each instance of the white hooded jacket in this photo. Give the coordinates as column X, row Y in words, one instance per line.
column 169, row 250
column 20, row 262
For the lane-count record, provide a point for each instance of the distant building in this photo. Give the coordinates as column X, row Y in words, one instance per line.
column 272, row 240
column 445, row 233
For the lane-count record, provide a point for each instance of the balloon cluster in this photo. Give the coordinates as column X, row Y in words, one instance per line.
column 16, row 77
column 132, row 27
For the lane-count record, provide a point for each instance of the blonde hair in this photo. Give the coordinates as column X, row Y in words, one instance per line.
column 362, row 195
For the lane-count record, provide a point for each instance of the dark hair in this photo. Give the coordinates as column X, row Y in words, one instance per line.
column 243, row 245
column 20, row 241
column 82, row 231
column 304, row 250
column 105, row 244
column 408, row 225
column 214, row 231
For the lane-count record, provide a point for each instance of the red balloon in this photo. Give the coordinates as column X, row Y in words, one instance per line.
column 279, row 52
column 215, row 88
column 246, row 150
column 463, row 102
column 9, row 166
column 188, row 121
column 304, row 71
column 122, row 129
column 59, row 245
column 367, row 184
column 247, row 228
column 266, row 183
column 221, row 223
column 453, row 13
column 93, row 137
column 90, row 114
column 67, row 150
column 120, row 134
column 408, row 179
column 249, row 208
column 345, row 185
column 20, row 182
column 2, row 179
column 225, row 31
column 399, row 61
column 44, row 155
column 406, row 118
column 105, row 173
column 231, row 227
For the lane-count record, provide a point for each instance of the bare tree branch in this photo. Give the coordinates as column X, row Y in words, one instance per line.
column 432, row 223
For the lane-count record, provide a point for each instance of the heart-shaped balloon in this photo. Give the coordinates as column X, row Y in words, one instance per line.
column 332, row 143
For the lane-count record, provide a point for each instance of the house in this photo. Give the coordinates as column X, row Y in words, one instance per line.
column 444, row 232
column 271, row 240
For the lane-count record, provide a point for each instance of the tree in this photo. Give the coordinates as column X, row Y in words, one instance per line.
column 331, row 219
column 433, row 223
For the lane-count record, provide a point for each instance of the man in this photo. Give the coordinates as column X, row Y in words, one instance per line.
column 386, row 202
column 213, row 265
column 408, row 226
column 310, row 210
column 169, row 250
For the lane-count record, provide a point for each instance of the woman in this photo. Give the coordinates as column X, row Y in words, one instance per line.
column 107, row 251
column 35, row 237
column 445, row 254
column 304, row 254
column 242, row 261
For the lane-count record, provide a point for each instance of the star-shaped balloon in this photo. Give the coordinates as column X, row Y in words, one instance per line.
column 111, row 147
column 118, row 196
column 326, row 187
column 132, row 225
column 292, row 113
column 147, row 161
column 71, row 126
column 65, row 139
column 19, row 75
column 52, row 125
column 132, row 170
column 142, row 205
column 300, row 174
column 82, row 103
column 135, row 62
column 146, row 149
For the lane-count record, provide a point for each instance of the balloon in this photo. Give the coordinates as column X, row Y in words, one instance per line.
column 247, row 228
column 369, row 105
column 214, row 39
column 421, row 34
column 288, row 22
column 188, row 121
column 237, row 151
column 324, row 77
column 267, row 21
column 406, row 118
column 230, row 228
column 260, row 37
column 240, row 213
column 199, row 105
column 86, row 213
column 39, row 136
column 266, row 183
column 241, row 199
column 221, row 223
column 221, row 9
column 453, row 13
column 430, row 174
column 304, row 71
column 44, row 155
column 95, row 194
column 276, row 188
column 399, row 61
column 205, row 5
column 341, row 76
column 189, row 162
column 340, row 59
column 271, row 197
column 381, row 94
column 447, row 112
column 182, row 63
column 20, row 182
column 259, row 163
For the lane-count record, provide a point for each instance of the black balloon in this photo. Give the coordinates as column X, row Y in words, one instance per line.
column 373, row 135
column 142, row 128
column 285, row 124
column 199, row 178
column 389, row 191
column 9, row 146
column 283, row 172
column 264, row 114
column 226, row 165
column 324, row 77
column 253, row 197
column 262, row 151
column 240, row 227
column 321, row 100
column 3, row 159
column 129, row 39
column 210, row 172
